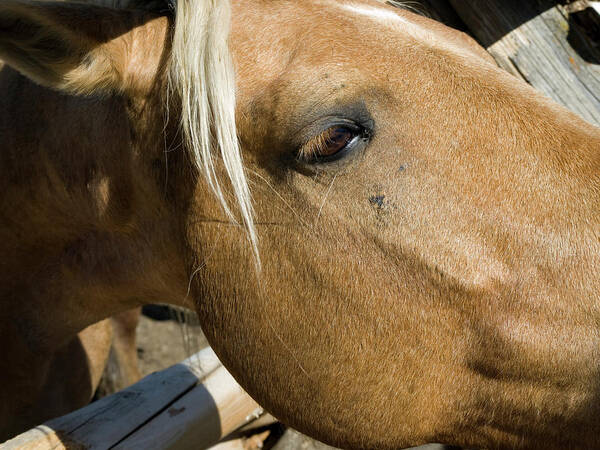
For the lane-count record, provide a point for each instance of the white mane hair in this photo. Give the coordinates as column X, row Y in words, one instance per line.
column 202, row 76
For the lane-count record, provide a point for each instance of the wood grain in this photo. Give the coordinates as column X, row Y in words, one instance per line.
column 544, row 44
column 201, row 418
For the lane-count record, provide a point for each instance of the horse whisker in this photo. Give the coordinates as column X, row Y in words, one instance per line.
column 324, row 200
column 281, row 198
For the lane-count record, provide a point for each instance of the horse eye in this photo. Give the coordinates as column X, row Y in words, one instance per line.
column 331, row 144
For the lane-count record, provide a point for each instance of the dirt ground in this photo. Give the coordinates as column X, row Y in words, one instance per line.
column 161, row 344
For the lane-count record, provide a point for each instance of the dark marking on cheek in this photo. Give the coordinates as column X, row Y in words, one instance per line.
column 380, row 207
column 383, row 208
column 378, row 201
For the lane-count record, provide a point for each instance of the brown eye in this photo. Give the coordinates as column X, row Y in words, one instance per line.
column 329, row 144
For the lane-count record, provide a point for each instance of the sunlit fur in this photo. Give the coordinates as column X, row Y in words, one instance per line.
column 202, row 76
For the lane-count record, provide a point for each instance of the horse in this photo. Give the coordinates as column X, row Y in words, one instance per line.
column 387, row 239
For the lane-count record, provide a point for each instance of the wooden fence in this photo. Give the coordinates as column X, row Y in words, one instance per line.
column 191, row 405
column 553, row 45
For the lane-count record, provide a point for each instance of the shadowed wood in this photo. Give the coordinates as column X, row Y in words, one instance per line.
column 440, row 10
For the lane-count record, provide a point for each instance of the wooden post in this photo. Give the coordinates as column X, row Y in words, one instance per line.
column 201, row 418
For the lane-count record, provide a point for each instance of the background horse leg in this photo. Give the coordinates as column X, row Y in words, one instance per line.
column 124, row 345
column 122, row 368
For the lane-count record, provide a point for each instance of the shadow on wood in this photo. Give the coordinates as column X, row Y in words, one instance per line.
column 584, row 33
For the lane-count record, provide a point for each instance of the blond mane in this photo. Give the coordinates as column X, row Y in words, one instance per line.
column 202, row 75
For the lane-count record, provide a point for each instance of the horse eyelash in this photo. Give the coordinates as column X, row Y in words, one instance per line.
column 316, row 146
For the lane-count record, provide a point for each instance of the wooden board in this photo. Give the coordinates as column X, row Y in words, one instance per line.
column 219, row 402
column 553, row 47
column 202, row 417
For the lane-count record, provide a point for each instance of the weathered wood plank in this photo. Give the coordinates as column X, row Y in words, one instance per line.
column 106, row 422
column 533, row 40
column 201, row 418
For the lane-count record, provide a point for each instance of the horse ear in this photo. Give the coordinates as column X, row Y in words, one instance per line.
column 82, row 48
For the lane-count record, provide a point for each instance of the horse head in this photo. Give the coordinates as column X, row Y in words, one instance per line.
column 388, row 240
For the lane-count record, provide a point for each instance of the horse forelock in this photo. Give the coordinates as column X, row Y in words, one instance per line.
column 202, row 76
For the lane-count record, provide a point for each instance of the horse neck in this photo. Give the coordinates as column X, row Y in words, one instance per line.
column 86, row 230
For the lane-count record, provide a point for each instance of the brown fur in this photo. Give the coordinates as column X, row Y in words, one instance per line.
column 77, row 244
column 441, row 286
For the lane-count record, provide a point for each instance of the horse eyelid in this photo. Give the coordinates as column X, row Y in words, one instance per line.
column 309, row 152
